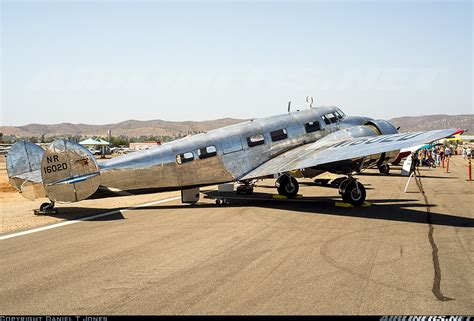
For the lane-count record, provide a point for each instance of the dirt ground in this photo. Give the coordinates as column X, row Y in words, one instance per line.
column 16, row 212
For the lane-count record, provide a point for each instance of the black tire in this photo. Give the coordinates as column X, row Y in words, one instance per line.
column 44, row 207
column 244, row 190
column 288, row 186
column 352, row 196
column 384, row 169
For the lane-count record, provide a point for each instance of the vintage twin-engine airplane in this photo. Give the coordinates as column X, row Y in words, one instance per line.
column 313, row 140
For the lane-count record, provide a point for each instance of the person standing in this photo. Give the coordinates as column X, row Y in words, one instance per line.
column 448, row 152
column 414, row 162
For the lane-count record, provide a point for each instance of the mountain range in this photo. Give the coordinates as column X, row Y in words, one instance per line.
column 429, row 122
column 130, row 128
column 136, row 128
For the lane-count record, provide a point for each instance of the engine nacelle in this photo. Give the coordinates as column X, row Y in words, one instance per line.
column 382, row 127
column 369, row 128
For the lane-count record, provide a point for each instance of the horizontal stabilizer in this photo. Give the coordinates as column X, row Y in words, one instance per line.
column 75, row 179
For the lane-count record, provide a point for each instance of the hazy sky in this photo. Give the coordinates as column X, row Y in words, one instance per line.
column 104, row 61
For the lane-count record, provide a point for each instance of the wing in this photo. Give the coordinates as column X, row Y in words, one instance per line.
column 327, row 151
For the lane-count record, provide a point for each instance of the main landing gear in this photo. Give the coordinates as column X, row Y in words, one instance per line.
column 245, row 188
column 384, row 169
column 46, row 208
column 287, row 185
column 352, row 191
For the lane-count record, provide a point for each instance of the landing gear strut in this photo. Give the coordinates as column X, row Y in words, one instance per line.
column 352, row 191
column 46, row 208
column 287, row 185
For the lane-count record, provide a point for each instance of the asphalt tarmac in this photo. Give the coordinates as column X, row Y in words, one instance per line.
column 408, row 253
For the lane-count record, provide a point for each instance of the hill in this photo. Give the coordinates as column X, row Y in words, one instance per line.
column 429, row 122
column 131, row 128
column 136, row 128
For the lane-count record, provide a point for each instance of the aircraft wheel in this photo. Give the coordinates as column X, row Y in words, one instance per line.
column 354, row 193
column 343, row 184
column 46, row 207
column 288, row 186
column 245, row 190
column 384, row 169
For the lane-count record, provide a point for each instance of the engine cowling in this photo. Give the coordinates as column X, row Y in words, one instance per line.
column 382, row 127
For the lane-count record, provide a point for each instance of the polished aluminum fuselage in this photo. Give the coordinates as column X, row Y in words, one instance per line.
column 158, row 167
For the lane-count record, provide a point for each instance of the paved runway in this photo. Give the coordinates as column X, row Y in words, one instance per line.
column 403, row 255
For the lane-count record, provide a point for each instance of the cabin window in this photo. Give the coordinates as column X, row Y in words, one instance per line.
column 184, row 157
column 312, row 126
column 207, row 152
column 326, row 120
column 279, row 135
column 331, row 117
column 255, row 140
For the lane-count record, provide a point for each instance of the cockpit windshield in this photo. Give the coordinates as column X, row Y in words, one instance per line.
column 340, row 112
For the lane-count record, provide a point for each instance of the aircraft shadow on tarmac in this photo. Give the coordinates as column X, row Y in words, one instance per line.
column 402, row 210
column 382, row 209
column 75, row 213
column 398, row 175
column 312, row 184
column 387, row 209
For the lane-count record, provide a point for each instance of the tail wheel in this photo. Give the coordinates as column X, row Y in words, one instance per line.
column 354, row 193
column 288, row 186
column 46, row 206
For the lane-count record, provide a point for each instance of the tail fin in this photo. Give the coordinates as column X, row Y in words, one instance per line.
column 23, row 169
column 69, row 172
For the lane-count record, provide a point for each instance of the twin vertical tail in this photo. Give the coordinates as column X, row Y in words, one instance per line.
column 64, row 172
